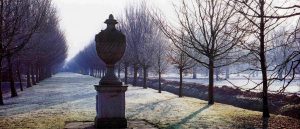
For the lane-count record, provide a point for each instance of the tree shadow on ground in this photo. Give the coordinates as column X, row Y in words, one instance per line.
column 187, row 118
column 265, row 123
column 150, row 106
column 256, row 122
column 24, row 106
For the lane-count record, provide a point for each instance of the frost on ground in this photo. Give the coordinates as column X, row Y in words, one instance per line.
column 294, row 87
column 71, row 97
column 234, row 81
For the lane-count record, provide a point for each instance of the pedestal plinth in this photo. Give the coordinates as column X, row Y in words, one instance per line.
column 110, row 106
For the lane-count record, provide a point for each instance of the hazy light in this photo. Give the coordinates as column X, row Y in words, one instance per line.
column 82, row 19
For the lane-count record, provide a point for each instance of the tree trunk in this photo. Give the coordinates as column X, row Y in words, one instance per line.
column 180, row 82
column 40, row 74
column 280, row 73
column 103, row 72
column 37, row 75
column 266, row 113
column 217, row 71
column 140, row 72
column 265, row 86
column 99, row 73
column 96, row 73
column 135, row 72
column 126, row 73
column 159, row 82
column 211, row 82
column 11, row 77
column 1, row 52
column 194, row 72
column 28, row 77
column 119, row 71
column 227, row 72
column 1, row 94
column 93, row 72
column 46, row 74
column 32, row 76
column 19, row 77
column 145, row 77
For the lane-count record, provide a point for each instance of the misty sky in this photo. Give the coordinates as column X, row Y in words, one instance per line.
column 82, row 19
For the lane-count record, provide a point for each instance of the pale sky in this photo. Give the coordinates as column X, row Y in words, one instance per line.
column 81, row 20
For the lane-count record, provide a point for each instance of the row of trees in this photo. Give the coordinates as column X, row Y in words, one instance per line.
column 221, row 33
column 31, row 43
column 145, row 45
column 87, row 62
column 213, row 34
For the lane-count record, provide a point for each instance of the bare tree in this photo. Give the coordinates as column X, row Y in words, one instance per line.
column 22, row 24
column 264, row 17
column 160, row 59
column 213, row 31
column 147, row 46
column 279, row 50
column 126, row 59
column 19, row 20
column 178, row 57
column 134, row 35
column 140, row 31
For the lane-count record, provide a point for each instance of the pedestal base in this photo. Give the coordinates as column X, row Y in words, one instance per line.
column 110, row 106
column 110, row 122
column 131, row 124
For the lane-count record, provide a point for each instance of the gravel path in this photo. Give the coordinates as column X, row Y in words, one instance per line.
column 71, row 97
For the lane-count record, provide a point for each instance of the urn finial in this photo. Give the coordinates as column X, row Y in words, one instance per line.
column 111, row 20
column 110, row 16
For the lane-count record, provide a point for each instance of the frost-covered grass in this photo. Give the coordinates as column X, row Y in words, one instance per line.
column 65, row 97
column 71, row 97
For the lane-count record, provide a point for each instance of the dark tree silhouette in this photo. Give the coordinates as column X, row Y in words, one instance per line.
column 264, row 17
column 26, row 27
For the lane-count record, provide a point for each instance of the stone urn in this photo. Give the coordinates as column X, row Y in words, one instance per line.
column 110, row 98
column 110, row 45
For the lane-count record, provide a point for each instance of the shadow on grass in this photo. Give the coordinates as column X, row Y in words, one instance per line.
column 265, row 123
column 149, row 106
column 187, row 118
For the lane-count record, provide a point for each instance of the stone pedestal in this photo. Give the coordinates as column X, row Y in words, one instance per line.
column 110, row 99
column 110, row 106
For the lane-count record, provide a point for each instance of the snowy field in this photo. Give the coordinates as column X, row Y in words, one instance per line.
column 294, row 87
column 71, row 97
column 234, row 81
